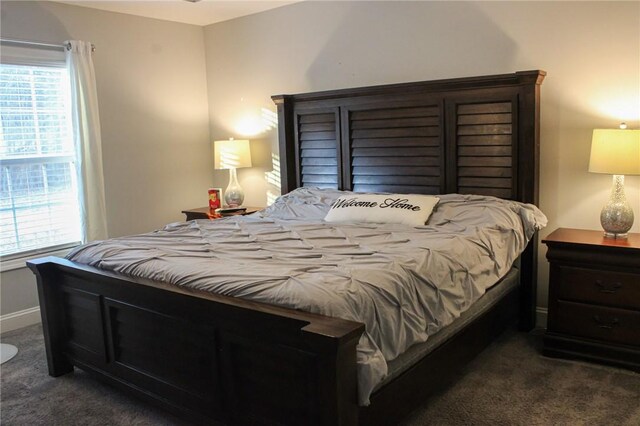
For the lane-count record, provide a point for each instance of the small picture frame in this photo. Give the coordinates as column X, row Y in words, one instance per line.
column 215, row 199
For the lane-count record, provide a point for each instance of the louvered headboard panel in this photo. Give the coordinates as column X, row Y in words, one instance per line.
column 485, row 149
column 318, row 148
column 395, row 150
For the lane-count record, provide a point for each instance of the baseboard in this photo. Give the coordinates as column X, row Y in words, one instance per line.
column 16, row 320
column 541, row 317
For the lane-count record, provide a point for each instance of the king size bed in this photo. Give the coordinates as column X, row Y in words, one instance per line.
column 288, row 317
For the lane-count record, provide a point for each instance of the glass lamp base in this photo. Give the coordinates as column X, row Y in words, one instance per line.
column 616, row 217
column 233, row 195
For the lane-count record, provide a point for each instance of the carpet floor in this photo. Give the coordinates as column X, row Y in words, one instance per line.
column 510, row 383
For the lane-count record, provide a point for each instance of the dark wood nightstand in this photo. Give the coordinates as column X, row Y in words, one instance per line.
column 594, row 297
column 204, row 213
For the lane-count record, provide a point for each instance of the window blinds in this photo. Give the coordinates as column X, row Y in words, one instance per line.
column 38, row 189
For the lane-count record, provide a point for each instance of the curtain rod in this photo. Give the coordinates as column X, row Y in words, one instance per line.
column 39, row 44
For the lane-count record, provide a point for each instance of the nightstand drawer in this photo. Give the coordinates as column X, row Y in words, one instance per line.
column 598, row 286
column 598, row 322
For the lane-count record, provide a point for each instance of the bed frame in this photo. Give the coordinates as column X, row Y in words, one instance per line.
column 209, row 357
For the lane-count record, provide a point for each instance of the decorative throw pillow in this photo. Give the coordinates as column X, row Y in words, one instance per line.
column 408, row 209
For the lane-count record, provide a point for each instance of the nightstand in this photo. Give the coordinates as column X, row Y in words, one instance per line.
column 594, row 297
column 203, row 213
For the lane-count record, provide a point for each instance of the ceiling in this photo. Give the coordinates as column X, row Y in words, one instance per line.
column 204, row 12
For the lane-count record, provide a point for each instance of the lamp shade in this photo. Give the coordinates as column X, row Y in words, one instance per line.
column 231, row 154
column 615, row 151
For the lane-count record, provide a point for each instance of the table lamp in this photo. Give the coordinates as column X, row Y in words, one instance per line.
column 616, row 152
column 232, row 154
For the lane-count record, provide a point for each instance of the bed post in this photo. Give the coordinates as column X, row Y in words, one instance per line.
column 286, row 137
column 52, row 317
column 527, row 186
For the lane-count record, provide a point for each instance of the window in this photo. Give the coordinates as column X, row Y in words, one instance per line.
column 39, row 204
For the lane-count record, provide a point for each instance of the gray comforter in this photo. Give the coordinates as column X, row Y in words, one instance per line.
column 404, row 283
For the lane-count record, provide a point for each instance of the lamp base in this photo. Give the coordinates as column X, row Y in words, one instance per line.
column 233, row 195
column 616, row 217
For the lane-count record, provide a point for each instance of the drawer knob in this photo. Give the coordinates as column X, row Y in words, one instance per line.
column 606, row 323
column 608, row 287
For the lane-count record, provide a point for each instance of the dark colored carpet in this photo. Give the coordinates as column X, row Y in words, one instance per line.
column 510, row 383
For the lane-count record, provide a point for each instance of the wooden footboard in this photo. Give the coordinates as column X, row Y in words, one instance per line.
column 200, row 355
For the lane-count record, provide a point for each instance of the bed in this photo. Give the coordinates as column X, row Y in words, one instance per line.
column 241, row 361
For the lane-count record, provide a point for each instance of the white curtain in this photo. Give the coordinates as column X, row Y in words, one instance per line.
column 86, row 130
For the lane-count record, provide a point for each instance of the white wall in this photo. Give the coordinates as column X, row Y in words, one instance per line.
column 591, row 51
column 153, row 104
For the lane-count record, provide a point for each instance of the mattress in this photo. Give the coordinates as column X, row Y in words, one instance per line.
column 418, row 351
column 404, row 283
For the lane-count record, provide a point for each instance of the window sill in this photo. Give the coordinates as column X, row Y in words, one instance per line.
column 20, row 262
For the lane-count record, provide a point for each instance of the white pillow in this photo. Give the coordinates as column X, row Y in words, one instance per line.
column 408, row 209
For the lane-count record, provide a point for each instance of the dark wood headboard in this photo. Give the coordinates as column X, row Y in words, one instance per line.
column 476, row 135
